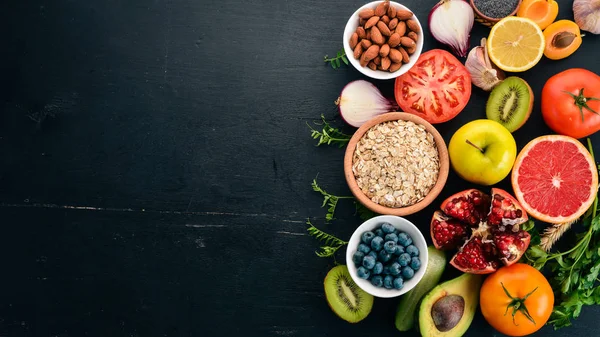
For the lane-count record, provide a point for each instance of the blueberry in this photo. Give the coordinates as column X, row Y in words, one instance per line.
column 412, row 250
column 388, row 282
column 391, row 237
column 399, row 250
column 377, row 243
column 373, row 254
column 404, row 259
column 368, row 262
column 377, row 281
column 367, row 237
column 395, row 269
column 358, row 257
column 387, row 228
column 404, row 239
column 384, row 256
column 377, row 269
column 398, row 283
column 390, row 247
column 415, row 263
column 379, row 233
column 386, row 270
column 408, row 273
column 364, row 248
column 363, row 273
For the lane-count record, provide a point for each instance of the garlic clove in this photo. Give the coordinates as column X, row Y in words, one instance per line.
column 484, row 74
column 587, row 15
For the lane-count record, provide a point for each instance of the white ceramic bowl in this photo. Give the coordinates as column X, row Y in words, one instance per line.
column 379, row 74
column 402, row 225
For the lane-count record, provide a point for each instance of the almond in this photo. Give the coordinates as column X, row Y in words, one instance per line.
column 407, row 41
column 401, row 28
column 371, row 53
column 377, row 60
column 362, row 34
column 411, row 50
column 385, row 19
column 405, row 57
column 394, row 40
column 371, row 22
column 363, row 60
column 391, row 12
column 369, row 34
column 395, row 56
column 413, row 36
column 384, row 50
column 353, row 41
column 380, row 9
column 403, row 14
column 383, row 28
column 372, row 66
column 358, row 50
column 376, row 36
column 361, row 22
column 394, row 67
column 393, row 23
column 385, row 63
column 413, row 25
column 366, row 13
column 366, row 44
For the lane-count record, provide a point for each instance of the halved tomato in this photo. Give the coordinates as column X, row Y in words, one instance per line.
column 436, row 88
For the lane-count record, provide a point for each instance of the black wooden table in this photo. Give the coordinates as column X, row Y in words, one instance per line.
column 156, row 165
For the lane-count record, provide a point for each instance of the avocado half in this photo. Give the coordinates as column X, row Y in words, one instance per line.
column 466, row 287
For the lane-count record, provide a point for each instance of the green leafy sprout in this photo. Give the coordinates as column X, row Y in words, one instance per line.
column 331, row 243
column 336, row 61
column 329, row 135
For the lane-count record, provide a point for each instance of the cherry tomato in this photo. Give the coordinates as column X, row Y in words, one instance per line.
column 436, row 88
column 516, row 300
column 570, row 102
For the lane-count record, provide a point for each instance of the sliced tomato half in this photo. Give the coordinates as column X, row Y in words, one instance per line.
column 436, row 88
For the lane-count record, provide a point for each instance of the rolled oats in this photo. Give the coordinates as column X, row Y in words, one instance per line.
column 396, row 163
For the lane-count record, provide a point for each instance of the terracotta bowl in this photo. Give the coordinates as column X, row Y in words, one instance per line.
column 400, row 211
column 488, row 21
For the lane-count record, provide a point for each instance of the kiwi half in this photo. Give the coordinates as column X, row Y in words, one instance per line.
column 345, row 298
column 510, row 103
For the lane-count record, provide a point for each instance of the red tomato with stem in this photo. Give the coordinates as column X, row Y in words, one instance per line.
column 436, row 88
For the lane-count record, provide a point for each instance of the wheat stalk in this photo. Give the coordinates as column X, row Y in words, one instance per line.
column 553, row 234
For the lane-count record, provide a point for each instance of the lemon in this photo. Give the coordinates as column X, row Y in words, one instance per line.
column 516, row 44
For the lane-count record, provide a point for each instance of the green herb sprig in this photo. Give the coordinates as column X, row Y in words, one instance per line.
column 331, row 243
column 328, row 199
column 336, row 61
column 329, row 135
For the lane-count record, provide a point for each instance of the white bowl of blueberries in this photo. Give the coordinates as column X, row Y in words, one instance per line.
column 387, row 256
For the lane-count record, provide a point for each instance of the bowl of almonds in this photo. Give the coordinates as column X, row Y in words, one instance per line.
column 383, row 39
column 396, row 164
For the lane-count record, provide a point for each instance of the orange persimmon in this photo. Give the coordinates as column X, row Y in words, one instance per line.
column 542, row 12
column 563, row 37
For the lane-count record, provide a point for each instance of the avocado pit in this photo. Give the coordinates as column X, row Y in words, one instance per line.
column 447, row 312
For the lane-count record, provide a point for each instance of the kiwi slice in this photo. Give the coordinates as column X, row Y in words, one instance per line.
column 344, row 297
column 510, row 103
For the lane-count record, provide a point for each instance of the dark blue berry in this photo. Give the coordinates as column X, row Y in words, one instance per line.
column 386, row 270
column 367, row 237
column 368, row 262
column 398, row 283
column 384, row 256
column 412, row 250
column 377, row 281
column 363, row 273
column 404, row 259
column 379, row 233
column 377, row 243
column 391, row 237
column 388, row 282
column 358, row 257
column 390, row 247
column 395, row 269
column 415, row 263
column 377, row 269
column 387, row 228
column 404, row 239
column 364, row 248
column 408, row 273
column 399, row 250
column 373, row 254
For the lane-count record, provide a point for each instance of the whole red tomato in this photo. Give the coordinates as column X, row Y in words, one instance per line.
column 570, row 102
column 436, row 88
column 516, row 300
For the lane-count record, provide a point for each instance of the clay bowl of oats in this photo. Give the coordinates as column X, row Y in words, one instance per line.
column 396, row 163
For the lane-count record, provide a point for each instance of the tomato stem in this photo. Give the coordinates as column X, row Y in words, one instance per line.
column 581, row 102
column 518, row 305
column 475, row 146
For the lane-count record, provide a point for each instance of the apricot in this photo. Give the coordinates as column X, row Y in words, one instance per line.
column 542, row 12
column 563, row 38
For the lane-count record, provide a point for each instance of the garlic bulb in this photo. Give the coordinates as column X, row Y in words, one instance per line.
column 587, row 15
column 484, row 74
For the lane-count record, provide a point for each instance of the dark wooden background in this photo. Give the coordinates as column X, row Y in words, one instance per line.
column 156, row 166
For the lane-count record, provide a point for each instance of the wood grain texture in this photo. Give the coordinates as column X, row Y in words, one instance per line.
column 156, row 167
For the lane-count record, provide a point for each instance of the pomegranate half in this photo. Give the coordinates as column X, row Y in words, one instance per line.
column 486, row 230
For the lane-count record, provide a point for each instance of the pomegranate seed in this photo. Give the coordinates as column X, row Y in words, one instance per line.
column 518, row 213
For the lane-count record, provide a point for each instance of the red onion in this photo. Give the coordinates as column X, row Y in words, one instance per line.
column 361, row 101
column 450, row 22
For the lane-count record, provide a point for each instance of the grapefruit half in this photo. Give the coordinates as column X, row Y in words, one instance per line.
column 555, row 178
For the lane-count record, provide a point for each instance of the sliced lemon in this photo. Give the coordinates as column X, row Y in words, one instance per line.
column 516, row 44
